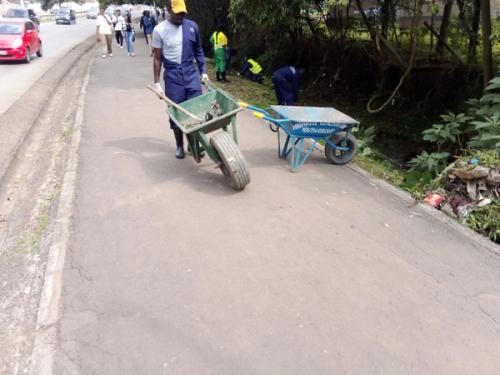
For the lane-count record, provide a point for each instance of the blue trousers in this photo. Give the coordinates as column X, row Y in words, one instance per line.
column 129, row 39
column 284, row 91
column 179, row 95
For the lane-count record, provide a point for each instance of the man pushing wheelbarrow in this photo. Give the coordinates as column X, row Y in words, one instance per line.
column 176, row 43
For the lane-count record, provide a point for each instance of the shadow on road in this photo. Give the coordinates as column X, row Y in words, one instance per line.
column 156, row 156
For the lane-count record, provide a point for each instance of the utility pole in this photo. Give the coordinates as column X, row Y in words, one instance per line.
column 486, row 31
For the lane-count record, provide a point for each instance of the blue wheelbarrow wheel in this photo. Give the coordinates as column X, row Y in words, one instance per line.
column 341, row 157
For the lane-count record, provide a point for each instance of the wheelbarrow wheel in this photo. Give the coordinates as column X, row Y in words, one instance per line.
column 341, row 157
column 233, row 164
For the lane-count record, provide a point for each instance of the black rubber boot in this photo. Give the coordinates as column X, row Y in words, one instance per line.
column 224, row 79
column 179, row 141
column 218, row 75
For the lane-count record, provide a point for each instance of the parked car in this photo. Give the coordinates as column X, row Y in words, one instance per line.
column 92, row 13
column 23, row 13
column 19, row 40
column 65, row 16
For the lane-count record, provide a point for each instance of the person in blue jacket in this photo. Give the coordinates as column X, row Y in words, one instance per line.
column 147, row 24
column 286, row 83
column 177, row 43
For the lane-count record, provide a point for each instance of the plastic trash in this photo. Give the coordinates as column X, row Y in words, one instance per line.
column 434, row 199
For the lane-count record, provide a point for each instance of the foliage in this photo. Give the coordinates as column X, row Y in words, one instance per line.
column 485, row 129
column 442, row 133
column 365, row 138
column 433, row 163
column 486, row 220
column 487, row 158
column 487, row 133
column 47, row 4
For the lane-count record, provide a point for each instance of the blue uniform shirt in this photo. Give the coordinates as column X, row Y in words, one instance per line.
column 287, row 83
column 182, row 80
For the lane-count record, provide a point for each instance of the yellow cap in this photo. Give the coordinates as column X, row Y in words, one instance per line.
column 179, row 6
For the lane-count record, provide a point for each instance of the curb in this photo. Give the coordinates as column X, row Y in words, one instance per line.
column 18, row 120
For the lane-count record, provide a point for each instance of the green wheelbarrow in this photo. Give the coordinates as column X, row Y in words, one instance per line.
column 213, row 112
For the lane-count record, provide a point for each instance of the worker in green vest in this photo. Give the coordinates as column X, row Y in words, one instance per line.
column 219, row 42
column 253, row 70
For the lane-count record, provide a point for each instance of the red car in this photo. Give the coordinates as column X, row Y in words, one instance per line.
column 19, row 39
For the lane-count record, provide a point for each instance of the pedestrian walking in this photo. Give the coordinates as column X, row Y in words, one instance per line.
column 129, row 35
column 103, row 30
column 148, row 24
column 119, row 25
column 219, row 42
column 177, row 43
column 141, row 25
column 286, row 83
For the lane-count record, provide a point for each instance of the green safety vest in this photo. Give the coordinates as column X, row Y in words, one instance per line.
column 256, row 68
column 219, row 39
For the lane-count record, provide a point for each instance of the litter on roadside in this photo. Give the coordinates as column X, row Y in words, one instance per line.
column 468, row 186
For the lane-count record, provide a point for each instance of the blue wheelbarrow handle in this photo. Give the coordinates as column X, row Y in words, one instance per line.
column 263, row 114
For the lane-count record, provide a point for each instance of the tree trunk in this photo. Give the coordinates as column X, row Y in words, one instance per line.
column 387, row 8
column 461, row 13
column 473, row 34
column 486, row 31
column 445, row 24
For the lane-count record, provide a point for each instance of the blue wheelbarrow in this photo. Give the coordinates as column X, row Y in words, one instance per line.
column 319, row 124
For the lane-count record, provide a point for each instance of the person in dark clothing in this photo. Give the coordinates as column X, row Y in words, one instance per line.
column 252, row 70
column 286, row 83
column 148, row 24
column 141, row 25
column 230, row 52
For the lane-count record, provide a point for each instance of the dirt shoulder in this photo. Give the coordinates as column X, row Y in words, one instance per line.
column 34, row 136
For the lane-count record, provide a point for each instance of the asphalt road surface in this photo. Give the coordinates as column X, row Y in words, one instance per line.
column 17, row 77
column 317, row 272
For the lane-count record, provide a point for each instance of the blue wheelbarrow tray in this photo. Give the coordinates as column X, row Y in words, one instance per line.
column 320, row 124
column 314, row 122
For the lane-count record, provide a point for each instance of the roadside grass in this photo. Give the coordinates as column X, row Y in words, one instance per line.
column 244, row 89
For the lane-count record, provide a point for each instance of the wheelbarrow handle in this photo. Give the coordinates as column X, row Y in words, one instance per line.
column 210, row 86
column 175, row 105
column 263, row 114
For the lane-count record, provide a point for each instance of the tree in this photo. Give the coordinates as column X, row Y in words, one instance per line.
column 486, row 31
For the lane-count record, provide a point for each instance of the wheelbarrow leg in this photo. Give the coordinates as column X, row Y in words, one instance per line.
column 299, row 154
column 295, row 152
column 233, row 130
column 285, row 151
column 287, row 148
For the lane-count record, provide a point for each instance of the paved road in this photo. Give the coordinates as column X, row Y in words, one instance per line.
column 317, row 272
column 16, row 78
